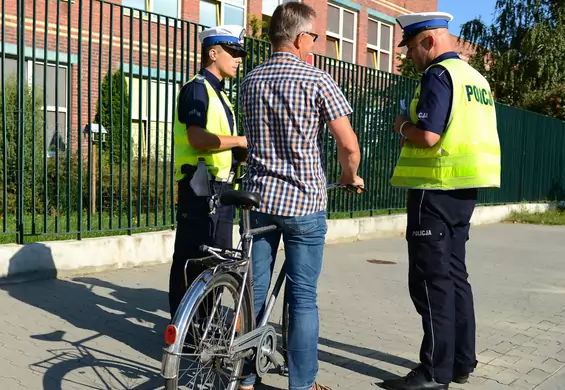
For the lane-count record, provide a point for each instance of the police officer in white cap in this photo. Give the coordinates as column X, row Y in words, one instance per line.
column 207, row 150
column 450, row 149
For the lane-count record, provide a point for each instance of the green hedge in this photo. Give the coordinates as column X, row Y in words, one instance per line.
column 33, row 140
column 41, row 191
column 63, row 185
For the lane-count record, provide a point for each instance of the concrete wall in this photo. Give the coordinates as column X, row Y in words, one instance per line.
column 65, row 258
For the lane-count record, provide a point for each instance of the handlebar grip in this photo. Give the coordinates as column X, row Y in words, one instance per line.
column 347, row 187
column 203, row 248
column 356, row 189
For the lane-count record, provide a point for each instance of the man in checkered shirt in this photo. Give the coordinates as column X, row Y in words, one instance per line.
column 285, row 103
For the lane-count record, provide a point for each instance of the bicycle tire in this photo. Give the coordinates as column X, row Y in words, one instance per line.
column 222, row 279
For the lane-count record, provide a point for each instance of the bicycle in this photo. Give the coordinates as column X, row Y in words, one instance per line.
column 230, row 268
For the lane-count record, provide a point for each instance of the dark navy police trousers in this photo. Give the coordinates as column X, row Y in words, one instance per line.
column 437, row 232
column 195, row 227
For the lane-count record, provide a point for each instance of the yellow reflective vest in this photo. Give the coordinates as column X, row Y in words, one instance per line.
column 467, row 154
column 219, row 162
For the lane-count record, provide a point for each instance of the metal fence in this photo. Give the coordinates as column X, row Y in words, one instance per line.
column 86, row 120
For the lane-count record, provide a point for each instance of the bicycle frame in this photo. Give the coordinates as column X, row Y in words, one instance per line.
column 230, row 261
column 197, row 288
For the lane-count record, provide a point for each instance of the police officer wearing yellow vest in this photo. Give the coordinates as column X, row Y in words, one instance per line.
column 207, row 150
column 450, row 149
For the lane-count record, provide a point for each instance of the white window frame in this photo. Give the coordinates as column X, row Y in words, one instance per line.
column 221, row 15
column 279, row 2
column 339, row 36
column 155, row 114
column 149, row 8
column 54, row 109
column 141, row 118
column 377, row 49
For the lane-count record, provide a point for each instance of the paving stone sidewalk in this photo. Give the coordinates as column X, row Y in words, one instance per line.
column 104, row 330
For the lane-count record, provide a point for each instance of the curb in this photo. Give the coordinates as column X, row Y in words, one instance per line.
column 60, row 259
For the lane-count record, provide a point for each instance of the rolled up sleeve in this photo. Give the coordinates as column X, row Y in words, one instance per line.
column 333, row 103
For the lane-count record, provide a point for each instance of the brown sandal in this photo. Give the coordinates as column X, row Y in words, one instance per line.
column 316, row 386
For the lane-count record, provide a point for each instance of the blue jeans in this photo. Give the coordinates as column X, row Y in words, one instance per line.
column 303, row 239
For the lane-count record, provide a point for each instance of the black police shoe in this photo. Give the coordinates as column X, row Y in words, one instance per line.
column 460, row 378
column 415, row 380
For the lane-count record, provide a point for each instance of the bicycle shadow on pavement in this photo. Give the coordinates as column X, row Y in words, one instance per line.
column 369, row 353
column 352, row 364
column 127, row 315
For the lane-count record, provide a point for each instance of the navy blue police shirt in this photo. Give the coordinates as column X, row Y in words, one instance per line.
column 193, row 101
column 436, row 93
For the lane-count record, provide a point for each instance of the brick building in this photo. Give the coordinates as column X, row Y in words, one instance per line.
column 158, row 54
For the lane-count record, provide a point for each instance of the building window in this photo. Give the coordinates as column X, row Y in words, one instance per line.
column 169, row 8
column 379, row 45
column 341, row 33
column 269, row 6
column 214, row 13
column 55, row 105
column 11, row 69
column 155, row 120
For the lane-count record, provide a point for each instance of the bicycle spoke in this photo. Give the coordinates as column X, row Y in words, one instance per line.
column 209, row 364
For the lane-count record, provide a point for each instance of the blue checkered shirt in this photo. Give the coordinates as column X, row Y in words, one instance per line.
column 285, row 103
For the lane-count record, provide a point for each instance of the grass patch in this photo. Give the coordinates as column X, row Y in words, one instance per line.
column 363, row 214
column 555, row 216
column 66, row 227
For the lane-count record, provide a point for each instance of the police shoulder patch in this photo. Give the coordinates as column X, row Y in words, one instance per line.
column 198, row 79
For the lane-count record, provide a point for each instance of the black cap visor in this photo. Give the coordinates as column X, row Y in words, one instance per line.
column 236, row 47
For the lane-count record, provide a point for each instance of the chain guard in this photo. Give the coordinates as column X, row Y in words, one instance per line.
column 266, row 351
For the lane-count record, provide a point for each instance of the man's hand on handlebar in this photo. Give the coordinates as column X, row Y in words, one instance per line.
column 355, row 181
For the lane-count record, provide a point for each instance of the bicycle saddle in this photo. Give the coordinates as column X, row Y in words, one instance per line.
column 240, row 199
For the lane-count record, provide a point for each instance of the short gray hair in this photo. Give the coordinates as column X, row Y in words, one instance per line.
column 289, row 20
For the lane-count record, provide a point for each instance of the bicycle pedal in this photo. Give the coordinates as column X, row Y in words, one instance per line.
column 274, row 360
column 283, row 370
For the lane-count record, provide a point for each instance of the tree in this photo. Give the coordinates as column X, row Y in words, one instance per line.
column 258, row 28
column 118, row 128
column 407, row 68
column 523, row 48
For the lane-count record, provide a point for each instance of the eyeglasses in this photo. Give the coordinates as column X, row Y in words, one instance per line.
column 313, row 35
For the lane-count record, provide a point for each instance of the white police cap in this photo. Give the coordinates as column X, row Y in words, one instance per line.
column 414, row 24
column 228, row 35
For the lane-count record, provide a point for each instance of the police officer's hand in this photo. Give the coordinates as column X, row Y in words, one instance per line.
column 242, row 142
column 400, row 119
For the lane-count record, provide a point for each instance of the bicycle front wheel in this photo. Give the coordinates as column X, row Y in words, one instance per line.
column 206, row 362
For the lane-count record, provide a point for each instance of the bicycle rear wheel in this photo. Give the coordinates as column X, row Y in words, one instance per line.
column 207, row 338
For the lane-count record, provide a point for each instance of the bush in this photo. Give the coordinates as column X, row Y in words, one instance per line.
column 109, row 178
column 111, row 186
column 63, row 187
column 33, row 142
column 550, row 102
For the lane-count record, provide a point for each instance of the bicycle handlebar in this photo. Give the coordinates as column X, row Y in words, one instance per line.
column 347, row 187
column 330, row 186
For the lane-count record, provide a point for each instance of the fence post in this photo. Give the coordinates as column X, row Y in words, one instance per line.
column 20, row 125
